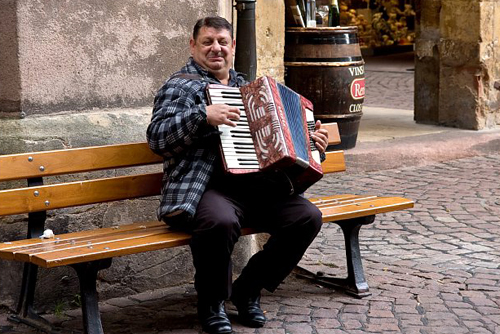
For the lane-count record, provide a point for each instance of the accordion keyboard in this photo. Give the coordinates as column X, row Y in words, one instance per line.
column 237, row 143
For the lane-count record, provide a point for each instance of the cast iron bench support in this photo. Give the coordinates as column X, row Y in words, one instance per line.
column 355, row 283
column 87, row 275
column 25, row 312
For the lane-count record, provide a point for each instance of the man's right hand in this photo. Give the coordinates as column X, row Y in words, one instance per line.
column 218, row 114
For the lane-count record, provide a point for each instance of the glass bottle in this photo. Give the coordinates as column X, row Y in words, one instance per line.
column 334, row 14
column 311, row 13
column 323, row 11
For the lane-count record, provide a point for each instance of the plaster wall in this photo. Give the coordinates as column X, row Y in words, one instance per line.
column 10, row 90
column 88, row 54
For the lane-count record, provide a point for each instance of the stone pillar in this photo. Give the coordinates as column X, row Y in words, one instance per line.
column 427, row 61
column 457, row 53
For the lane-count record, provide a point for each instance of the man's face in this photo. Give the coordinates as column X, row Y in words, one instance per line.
column 214, row 51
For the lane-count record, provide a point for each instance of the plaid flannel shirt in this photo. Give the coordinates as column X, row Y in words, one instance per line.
column 179, row 132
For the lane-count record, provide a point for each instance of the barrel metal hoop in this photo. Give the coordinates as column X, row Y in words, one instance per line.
column 356, row 114
column 350, row 39
column 326, row 64
column 325, row 60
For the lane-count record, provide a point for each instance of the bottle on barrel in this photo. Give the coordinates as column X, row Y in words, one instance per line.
column 334, row 14
column 311, row 13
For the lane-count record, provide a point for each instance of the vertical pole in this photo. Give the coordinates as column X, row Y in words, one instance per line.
column 246, row 55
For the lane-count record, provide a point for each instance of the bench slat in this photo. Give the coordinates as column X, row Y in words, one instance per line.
column 337, row 199
column 16, row 201
column 119, row 247
column 79, row 247
column 86, row 159
column 362, row 206
column 7, row 249
column 19, row 166
column 53, row 245
column 139, row 237
column 111, row 249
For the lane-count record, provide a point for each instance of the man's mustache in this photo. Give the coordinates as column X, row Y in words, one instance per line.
column 218, row 54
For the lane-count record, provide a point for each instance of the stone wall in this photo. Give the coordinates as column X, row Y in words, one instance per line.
column 457, row 55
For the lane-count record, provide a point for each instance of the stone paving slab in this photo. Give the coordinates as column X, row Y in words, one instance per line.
column 431, row 269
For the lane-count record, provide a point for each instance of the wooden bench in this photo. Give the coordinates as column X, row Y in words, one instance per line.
column 90, row 251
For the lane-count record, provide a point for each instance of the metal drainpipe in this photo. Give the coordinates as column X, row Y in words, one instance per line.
column 246, row 55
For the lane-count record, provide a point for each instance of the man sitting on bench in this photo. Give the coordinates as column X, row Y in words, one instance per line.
column 198, row 197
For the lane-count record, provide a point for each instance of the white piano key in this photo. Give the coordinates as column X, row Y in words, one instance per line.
column 241, row 158
column 235, row 163
column 238, row 154
column 240, row 166
column 218, row 91
column 243, row 142
column 232, row 134
column 226, row 100
column 236, row 129
column 230, row 151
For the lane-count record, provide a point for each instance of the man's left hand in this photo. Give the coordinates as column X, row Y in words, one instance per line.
column 320, row 137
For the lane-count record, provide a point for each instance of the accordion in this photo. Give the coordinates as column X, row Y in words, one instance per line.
column 273, row 132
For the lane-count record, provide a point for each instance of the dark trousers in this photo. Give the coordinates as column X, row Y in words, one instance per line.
column 292, row 222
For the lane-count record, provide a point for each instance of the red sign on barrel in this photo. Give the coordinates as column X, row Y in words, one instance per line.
column 358, row 88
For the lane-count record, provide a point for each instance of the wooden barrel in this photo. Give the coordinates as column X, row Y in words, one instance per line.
column 325, row 65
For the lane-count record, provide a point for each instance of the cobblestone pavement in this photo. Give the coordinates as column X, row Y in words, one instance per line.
column 431, row 269
column 390, row 89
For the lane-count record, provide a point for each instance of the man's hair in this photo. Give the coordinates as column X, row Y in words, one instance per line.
column 215, row 22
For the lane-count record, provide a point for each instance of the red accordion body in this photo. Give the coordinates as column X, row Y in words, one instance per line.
column 277, row 122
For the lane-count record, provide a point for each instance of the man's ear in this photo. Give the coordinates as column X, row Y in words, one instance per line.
column 191, row 45
column 234, row 47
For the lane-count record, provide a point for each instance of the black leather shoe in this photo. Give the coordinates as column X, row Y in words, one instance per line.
column 249, row 312
column 213, row 318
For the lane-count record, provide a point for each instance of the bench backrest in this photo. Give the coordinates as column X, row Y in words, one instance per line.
column 38, row 165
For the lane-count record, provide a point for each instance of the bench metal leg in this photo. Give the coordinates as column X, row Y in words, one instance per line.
column 355, row 283
column 25, row 311
column 87, row 275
